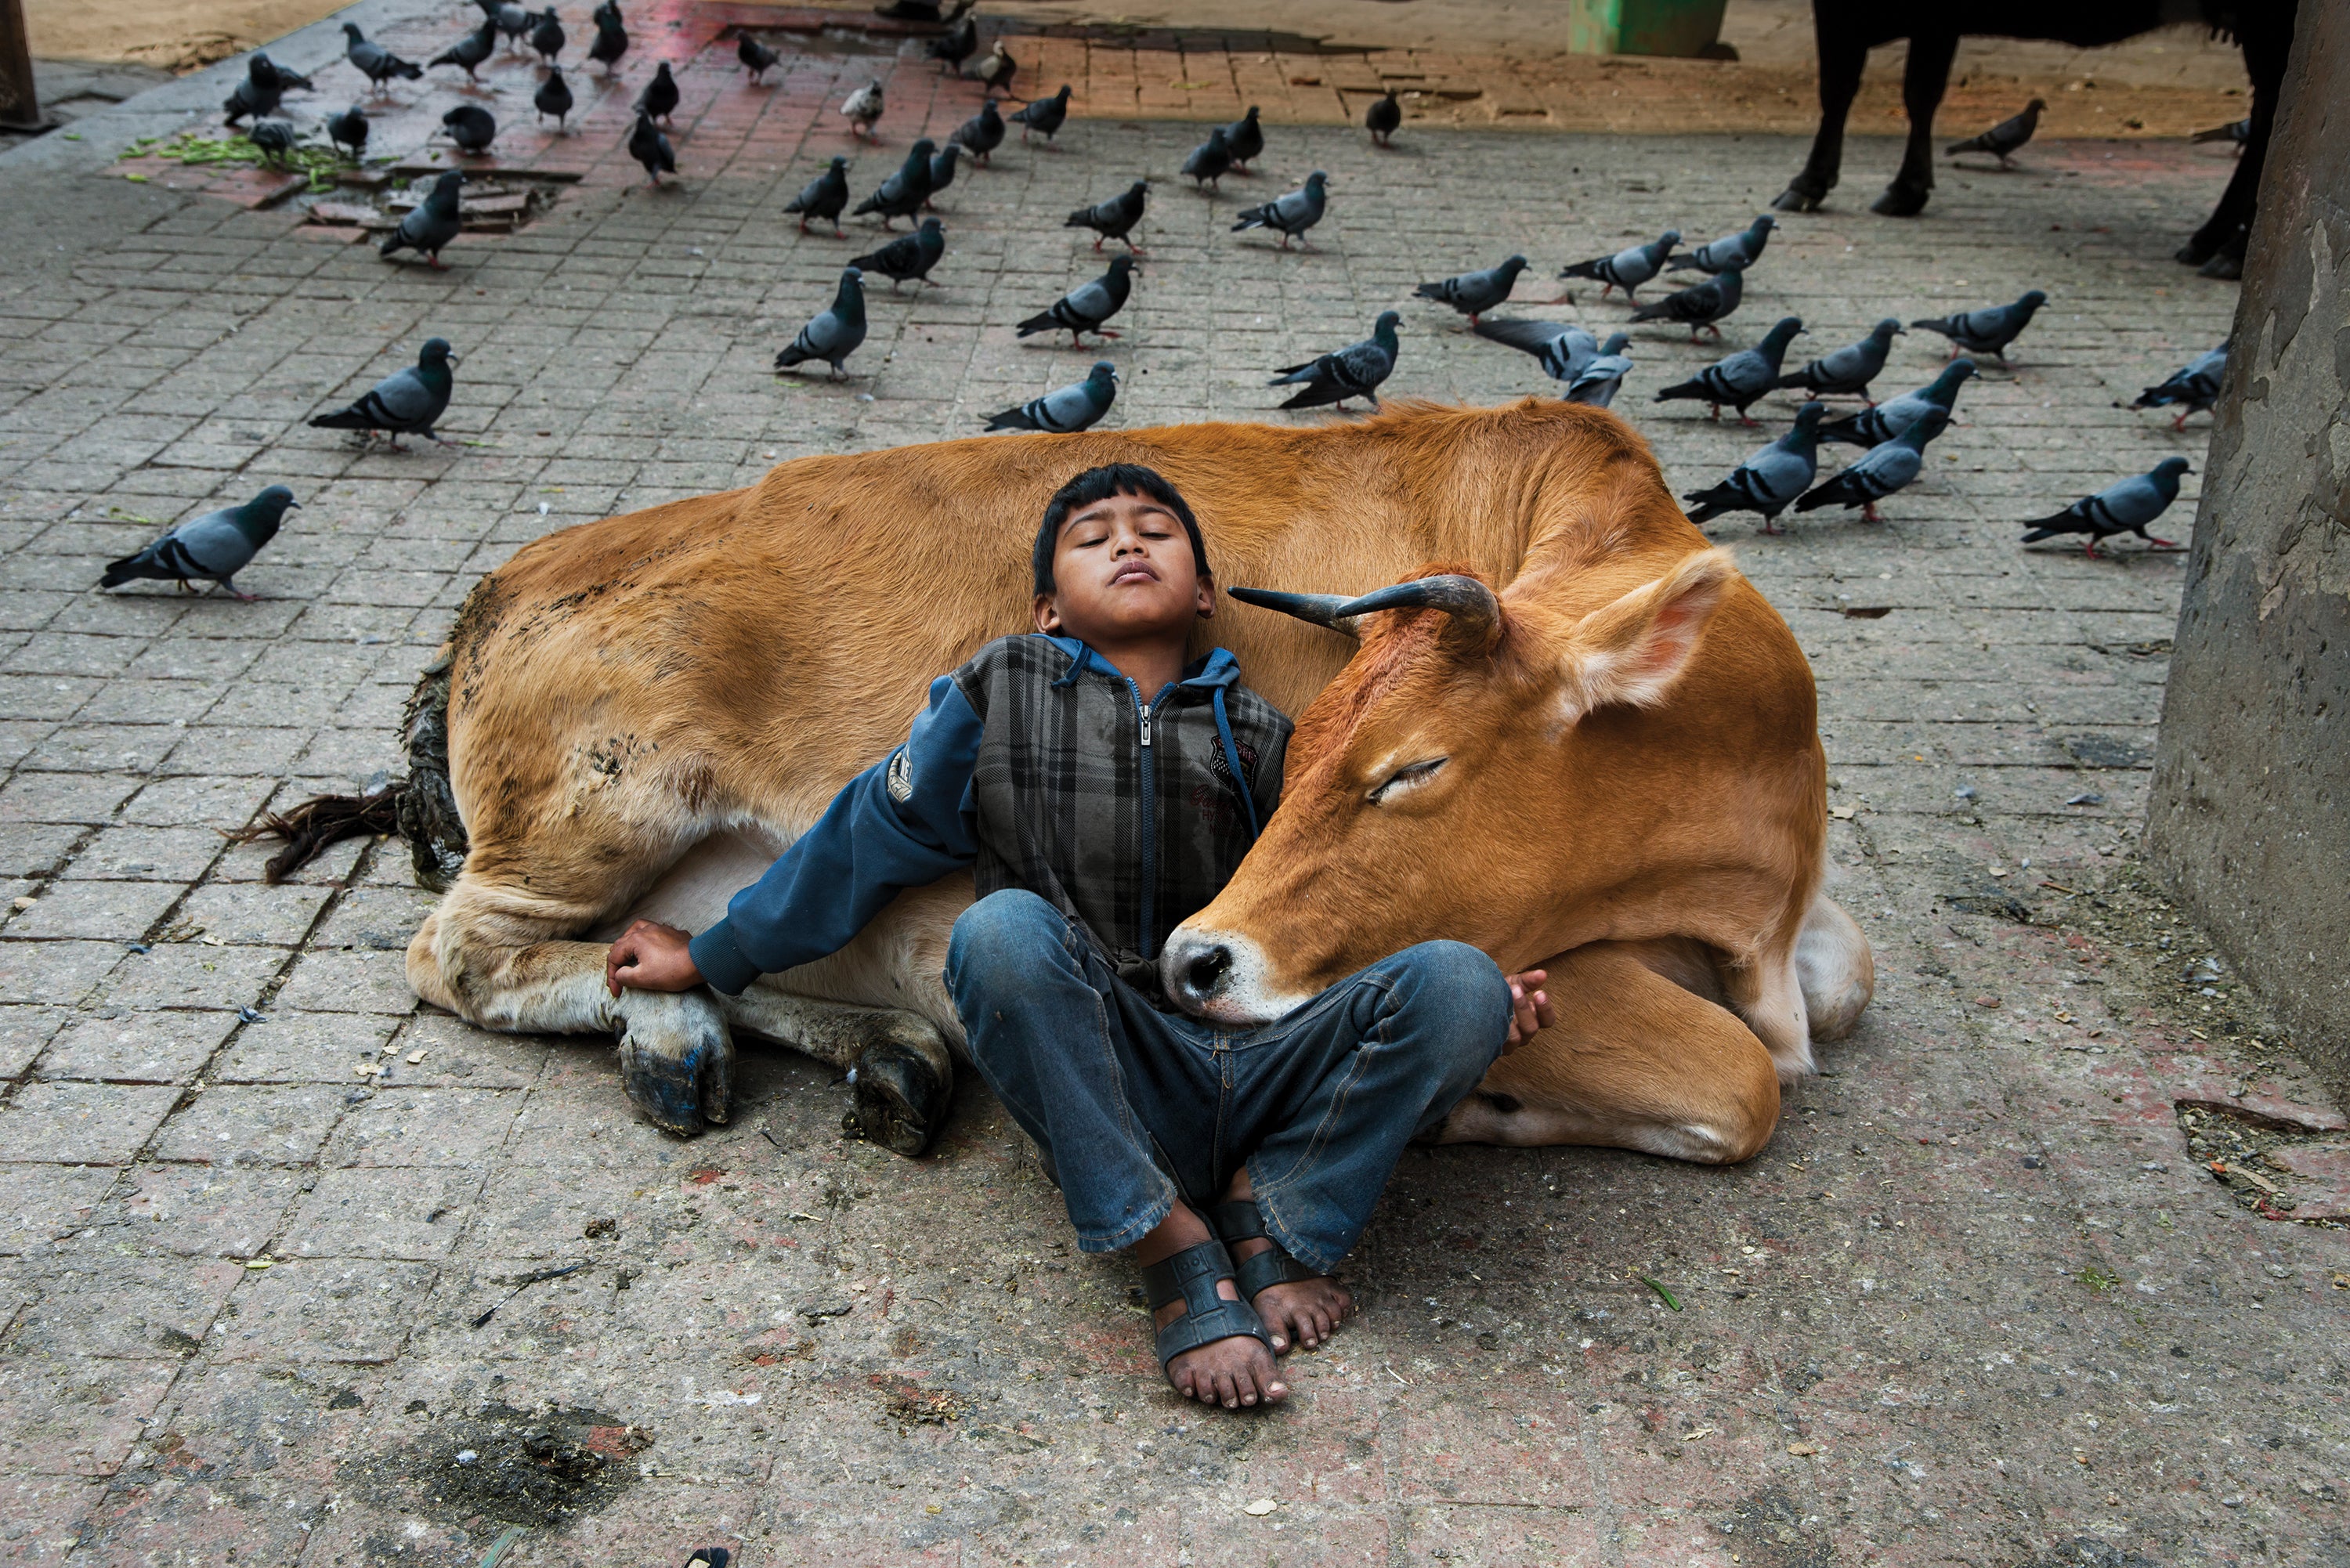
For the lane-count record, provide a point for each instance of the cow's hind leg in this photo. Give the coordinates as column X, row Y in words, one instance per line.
column 898, row 1061
column 1923, row 83
column 1634, row 1061
column 1835, row 969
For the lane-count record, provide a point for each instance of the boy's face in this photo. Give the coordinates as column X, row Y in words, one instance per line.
column 1122, row 572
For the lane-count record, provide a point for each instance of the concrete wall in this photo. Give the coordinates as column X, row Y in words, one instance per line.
column 2250, row 818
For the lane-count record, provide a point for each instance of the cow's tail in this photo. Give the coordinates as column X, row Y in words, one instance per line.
column 419, row 808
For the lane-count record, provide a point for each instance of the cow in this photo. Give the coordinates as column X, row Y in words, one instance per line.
column 633, row 717
column 1846, row 30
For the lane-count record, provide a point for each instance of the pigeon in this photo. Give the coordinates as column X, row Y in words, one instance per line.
column 1044, row 115
column 611, row 41
column 1874, row 427
column 833, row 334
column 348, row 130
column 756, row 57
column 649, row 147
column 264, row 68
column 1382, row 119
column 1880, row 470
column 1291, row 214
column 513, row 22
column 1244, row 139
column 409, row 402
column 554, row 96
column 1851, row 368
column 1354, row 371
column 942, row 172
column 213, row 548
column 256, row 95
column 547, row 36
column 1769, row 480
column 471, row 127
column 2194, row 386
column 1210, row 161
column 431, row 223
column 907, row 257
column 823, row 197
column 1085, row 308
column 2238, row 131
column 274, row 137
column 996, row 71
column 1563, row 350
column 470, row 50
column 983, row 133
column 901, row 194
column 1743, row 378
column 1701, row 304
column 375, row 62
column 862, row 108
column 2123, row 508
column 1627, row 269
column 1602, row 376
column 1114, row 219
column 2002, row 139
column 1988, row 330
column 605, row 15
column 658, row 100
column 1065, row 410
column 951, row 49
column 1741, row 250
column 1474, row 293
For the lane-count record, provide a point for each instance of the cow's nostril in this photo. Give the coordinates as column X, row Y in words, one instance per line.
column 1204, row 973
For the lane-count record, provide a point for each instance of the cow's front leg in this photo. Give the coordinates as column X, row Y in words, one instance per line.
column 1922, row 85
column 898, row 1061
column 1843, row 54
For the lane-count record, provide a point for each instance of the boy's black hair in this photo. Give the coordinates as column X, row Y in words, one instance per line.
column 1097, row 484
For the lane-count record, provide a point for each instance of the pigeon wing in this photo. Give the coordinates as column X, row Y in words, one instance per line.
column 210, row 546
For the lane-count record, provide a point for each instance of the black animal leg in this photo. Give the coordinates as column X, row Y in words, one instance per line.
column 2266, row 33
column 1842, row 51
column 1922, row 85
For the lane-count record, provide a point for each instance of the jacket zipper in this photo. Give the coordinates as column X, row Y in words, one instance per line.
column 1150, row 824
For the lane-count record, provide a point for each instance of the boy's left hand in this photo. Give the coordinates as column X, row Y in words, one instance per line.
column 1530, row 1009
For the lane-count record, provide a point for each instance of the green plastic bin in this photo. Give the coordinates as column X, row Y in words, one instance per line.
column 1687, row 29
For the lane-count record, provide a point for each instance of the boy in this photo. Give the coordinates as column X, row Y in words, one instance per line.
column 1102, row 790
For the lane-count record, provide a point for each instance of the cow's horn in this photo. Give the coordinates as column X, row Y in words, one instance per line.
column 1322, row 609
column 1469, row 603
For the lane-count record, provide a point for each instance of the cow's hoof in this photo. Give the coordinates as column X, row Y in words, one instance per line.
column 901, row 1097
column 1899, row 201
column 677, row 1060
column 1795, row 199
column 2227, row 261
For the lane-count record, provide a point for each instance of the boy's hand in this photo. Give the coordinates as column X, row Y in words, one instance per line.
column 1529, row 1007
column 650, row 957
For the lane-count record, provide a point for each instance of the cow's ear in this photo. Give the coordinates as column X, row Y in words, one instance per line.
column 1630, row 652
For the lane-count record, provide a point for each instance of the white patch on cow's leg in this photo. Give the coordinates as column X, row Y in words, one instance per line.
column 1502, row 1119
column 1835, row 968
column 1768, row 998
column 835, row 1032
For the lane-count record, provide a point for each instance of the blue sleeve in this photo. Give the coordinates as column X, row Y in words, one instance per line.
column 904, row 822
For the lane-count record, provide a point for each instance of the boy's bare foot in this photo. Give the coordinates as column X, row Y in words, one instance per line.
column 1236, row 1372
column 1303, row 1311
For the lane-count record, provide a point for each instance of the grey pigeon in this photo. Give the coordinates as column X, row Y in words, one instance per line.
column 1210, row 161
column 469, row 51
column 554, row 96
column 1851, row 368
column 2194, row 386
column 1244, row 137
column 823, row 197
column 952, row 48
column 348, row 130
column 274, row 137
column 901, row 194
column 611, row 41
column 547, row 36
column 1085, row 308
column 755, row 56
column 471, row 127
column 1988, row 330
column 1769, row 480
column 1564, row 349
column 996, row 71
column 2002, row 139
column 1474, row 293
column 1044, row 115
column 1065, row 410
column 375, row 62
column 1741, row 250
column 2125, row 507
column 513, row 22
column 1627, row 269
column 907, row 257
column 2238, row 131
column 1354, row 371
column 983, row 133
column 1880, row 470
column 284, row 80
column 1874, row 427
column 1291, row 214
column 256, row 95
column 1602, row 376
column 431, row 223
column 1114, row 219
column 409, row 401
column 650, row 148
column 863, row 108
column 660, row 99
column 1383, row 119
column 213, row 547
column 1701, row 304
column 942, row 172
column 1742, row 378
column 833, row 334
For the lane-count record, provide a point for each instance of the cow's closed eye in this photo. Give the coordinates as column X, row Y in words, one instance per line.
column 1404, row 780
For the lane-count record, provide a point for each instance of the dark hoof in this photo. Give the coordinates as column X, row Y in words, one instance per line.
column 677, row 1061
column 1899, row 201
column 2226, row 265
column 901, row 1099
column 1794, row 199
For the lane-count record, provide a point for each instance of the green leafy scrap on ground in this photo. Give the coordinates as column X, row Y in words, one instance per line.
column 318, row 164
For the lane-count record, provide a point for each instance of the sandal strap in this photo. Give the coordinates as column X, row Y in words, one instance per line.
column 1240, row 1219
column 1237, row 1220
column 1192, row 1276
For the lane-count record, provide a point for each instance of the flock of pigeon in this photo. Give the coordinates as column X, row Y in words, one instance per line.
column 215, row 546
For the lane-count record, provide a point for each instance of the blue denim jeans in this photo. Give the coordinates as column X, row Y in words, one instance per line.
column 1134, row 1107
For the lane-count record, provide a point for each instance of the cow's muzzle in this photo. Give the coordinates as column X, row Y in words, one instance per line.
column 1221, row 976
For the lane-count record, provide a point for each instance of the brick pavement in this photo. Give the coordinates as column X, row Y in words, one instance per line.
column 1976, row 1304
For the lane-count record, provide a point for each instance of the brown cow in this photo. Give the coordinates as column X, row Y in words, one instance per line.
column 641, row 713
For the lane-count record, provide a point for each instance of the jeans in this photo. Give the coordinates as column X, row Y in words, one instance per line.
column 1134, row 1107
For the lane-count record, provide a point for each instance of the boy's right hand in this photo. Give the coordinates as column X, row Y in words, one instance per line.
column 651, row 956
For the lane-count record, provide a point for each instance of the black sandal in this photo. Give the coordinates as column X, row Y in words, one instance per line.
column 1191, row 1276
column 1240, row 1219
